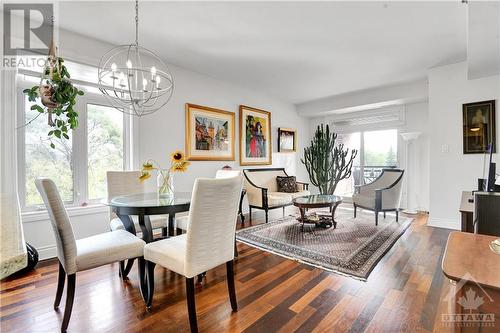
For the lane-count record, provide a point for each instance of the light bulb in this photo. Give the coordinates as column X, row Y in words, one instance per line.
column 113, row 67
column 122, row 76
column 129, row 64
column 153, row 70
column 158, row 80
column 144, row 83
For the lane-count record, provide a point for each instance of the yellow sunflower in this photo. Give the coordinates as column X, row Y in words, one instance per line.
column 180, row 166
column 145, row 175
column 177, row 156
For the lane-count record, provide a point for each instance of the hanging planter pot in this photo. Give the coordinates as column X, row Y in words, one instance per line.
column 57, row 97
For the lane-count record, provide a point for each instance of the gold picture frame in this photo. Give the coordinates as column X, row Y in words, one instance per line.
column 210, row 134
column 284, row 137
column 255, row 136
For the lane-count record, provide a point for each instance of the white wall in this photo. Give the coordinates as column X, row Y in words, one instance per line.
column 452, row 172
column 163, row 132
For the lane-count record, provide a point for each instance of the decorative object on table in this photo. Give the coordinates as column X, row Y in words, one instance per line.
column 409, row 138
column 287, row 140
column 287, row 184
column 57, row 97
column 381, row 195
column 352, row 249
column 479, row 127
column 134, row 79
column 255, row 136
column 326, row 163
column 261, row 186
column 165, row 177
column 209, row 134
column 495, row 246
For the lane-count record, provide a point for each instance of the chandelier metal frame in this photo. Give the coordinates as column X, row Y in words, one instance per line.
column 122, row 84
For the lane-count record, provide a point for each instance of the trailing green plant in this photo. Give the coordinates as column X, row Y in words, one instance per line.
column 327, row 163
column 57, row 99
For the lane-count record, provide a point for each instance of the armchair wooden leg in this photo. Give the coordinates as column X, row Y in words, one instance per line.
column 60, row 286
column 191, row 305
column 376, row 218
column 230, row 285
column 70, row 297
column 267, row 215
column 150, row 276
column 397, row 216
column 355, row 210
column 250, row 214
column 384, row 215
column 283, row 211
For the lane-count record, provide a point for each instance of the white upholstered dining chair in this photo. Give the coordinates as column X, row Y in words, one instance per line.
column 127, row 182
column 208, row 243
column 82, row 254
column 181, row 222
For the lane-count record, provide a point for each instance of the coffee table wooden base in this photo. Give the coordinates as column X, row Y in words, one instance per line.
column 304, row 219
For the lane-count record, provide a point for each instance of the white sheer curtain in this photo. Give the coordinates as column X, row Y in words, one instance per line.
column 12, row 247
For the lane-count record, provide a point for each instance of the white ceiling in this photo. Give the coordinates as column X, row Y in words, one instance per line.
column 297, row 51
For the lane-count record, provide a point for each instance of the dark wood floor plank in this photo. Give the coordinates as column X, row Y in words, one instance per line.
column 405, row 293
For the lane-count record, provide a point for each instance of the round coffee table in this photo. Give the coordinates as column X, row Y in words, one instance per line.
column 317, row 201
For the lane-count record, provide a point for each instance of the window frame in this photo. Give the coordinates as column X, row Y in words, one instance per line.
column 79, row 146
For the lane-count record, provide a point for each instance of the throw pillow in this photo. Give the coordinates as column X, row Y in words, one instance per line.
column 286, row 184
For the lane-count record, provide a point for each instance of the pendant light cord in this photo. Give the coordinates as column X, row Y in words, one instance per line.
column 137, row 22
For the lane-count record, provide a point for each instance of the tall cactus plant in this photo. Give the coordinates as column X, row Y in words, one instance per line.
column 327, row 163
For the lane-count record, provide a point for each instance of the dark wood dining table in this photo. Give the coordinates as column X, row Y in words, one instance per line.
column 144, row 205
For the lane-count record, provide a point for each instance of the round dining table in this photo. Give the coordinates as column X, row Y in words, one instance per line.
column 144, row 205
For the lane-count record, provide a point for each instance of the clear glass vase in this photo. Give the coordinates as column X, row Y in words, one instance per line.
column 165, row 182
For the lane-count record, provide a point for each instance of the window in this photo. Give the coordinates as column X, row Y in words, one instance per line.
column 104, row 146
column 79, row 165
column 41, row 160
column 376, row 150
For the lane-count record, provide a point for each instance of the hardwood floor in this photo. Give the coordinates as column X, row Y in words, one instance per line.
column 404, row 293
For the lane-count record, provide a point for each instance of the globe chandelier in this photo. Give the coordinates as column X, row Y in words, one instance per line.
column 134, row 79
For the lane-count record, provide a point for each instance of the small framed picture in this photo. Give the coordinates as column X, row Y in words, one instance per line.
column 255, row 136
column 209, row 134
column 287, row 140
column 479, row 127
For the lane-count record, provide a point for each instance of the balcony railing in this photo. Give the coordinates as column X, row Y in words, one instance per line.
column 370, row 173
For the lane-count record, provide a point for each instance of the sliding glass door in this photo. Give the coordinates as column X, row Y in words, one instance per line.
column 376, row 150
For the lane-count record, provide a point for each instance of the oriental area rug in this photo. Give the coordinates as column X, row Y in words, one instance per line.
column 353, row 249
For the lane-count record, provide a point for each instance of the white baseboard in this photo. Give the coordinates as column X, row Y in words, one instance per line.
column 446, row 223
column 47, row 252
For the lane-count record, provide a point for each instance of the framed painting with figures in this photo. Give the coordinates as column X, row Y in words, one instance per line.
column 209, row 134
column 479, row 127
column 287, row 140
column 255, row 136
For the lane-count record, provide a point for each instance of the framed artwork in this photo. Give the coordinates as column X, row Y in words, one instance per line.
column 479, row 127
column 209, row 134
column 287, row 140
column 255, row 136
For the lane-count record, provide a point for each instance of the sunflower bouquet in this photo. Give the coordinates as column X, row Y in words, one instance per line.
column 178, row 163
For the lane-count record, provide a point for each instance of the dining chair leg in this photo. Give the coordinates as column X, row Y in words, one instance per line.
column 397, row 216
column 355, row 210
column 60, row 285
column 235, row 249
column 150, row 275
column 191, row 305
column 384, row 215
column 143, row 282
column 70, row 297
column 230, row 285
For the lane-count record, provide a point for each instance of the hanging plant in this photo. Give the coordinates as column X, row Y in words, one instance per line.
column 58, row 97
